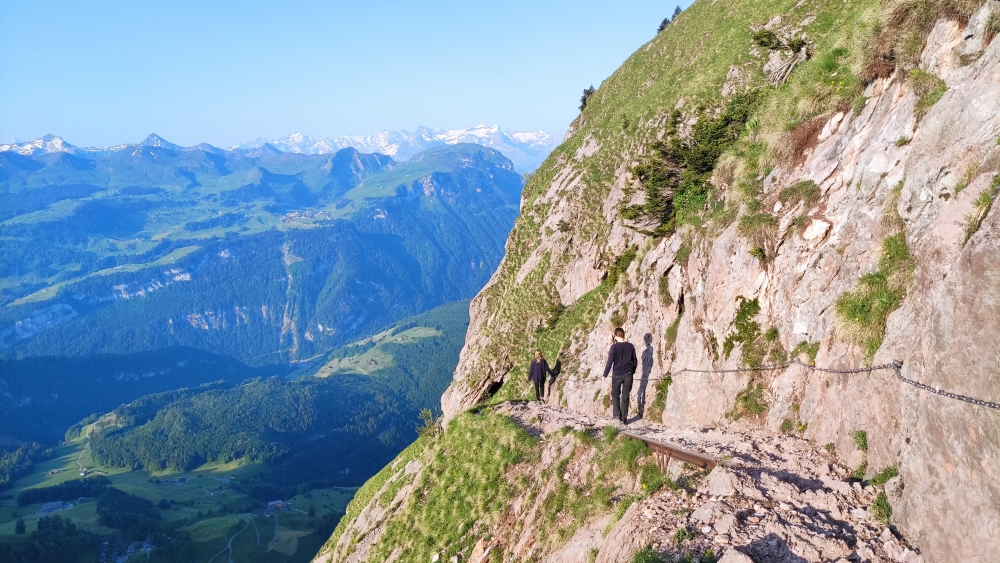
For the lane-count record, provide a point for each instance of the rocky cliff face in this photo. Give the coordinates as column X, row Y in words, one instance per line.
column 912, row 148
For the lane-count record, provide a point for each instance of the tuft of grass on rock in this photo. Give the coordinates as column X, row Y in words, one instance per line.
column 610, row 433
column 682, row 535
column 992, row 27
column 787, row 426
column 805, row 191
column 860, row 440
column 759, row 228
column 880, row 509
column 808, row 348
column 671, row 332
column 663, row 288
column 859, row 473
column 929, row 90
column 981, row 207
column 862, row 313
column 750, row 402
column 881, row 477
column 647, row 555
column 967, row 177
column 659, row 403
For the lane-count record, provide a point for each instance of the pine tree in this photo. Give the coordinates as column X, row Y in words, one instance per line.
column 667, row 21
column 587, row 93
column 312, row 511
column 19, row 526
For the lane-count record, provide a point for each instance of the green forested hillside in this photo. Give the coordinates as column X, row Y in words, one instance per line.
column 43, row 396
column 307, row 431
column 395, row 244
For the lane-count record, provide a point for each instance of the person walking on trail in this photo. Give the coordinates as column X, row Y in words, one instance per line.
column 536, row 375
column 622, row 364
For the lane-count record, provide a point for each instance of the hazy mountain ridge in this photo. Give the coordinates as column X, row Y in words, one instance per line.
column 526, row 149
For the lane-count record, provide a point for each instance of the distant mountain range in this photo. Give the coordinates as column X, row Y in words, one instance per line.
column 526, row 149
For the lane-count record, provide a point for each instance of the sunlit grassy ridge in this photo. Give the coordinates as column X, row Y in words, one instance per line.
column 470, row 474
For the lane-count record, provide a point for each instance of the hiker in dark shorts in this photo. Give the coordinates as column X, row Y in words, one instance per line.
column 622, row 364
column 536, row 374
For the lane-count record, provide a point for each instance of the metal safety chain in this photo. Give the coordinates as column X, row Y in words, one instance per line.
column 894, row 365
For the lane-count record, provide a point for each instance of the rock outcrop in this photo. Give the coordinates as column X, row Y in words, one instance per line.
column 891, row 162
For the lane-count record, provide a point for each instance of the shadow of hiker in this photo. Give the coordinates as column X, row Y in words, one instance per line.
column 556, row 370
column 647, row 368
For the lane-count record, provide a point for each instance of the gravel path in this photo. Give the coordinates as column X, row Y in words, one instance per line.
column 774, row 497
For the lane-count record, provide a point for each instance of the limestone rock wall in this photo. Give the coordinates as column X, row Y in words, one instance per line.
column 948, row 452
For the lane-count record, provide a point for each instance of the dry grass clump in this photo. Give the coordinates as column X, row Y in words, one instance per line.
column 992, row 27
column 891, row 221
column 900, row 36
column 760, row 229
column 981, row 207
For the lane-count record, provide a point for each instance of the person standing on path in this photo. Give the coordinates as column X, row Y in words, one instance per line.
column 622, row 364
column 536, row 374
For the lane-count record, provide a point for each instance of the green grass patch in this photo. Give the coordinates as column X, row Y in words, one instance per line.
column 760, row 229
column 682, row 535
column 647, row 555
column 881, row 477
column 863, row 312
column 671, row 332
column 810, row 349
column 663, row 289
column 463, row 487
column 622, row 454
column 651, row 479
column 928, row 88
column 661, row 388
column 756, row 346
column 880, row 509
column 859, row 473
column 805, row 191
column 750, row 402
column 860, row 438
column 981, row 207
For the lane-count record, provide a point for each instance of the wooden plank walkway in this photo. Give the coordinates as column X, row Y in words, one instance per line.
column 664, row 452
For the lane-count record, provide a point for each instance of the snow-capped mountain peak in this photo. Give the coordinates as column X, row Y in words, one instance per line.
column 43, row 145
column 526, row 149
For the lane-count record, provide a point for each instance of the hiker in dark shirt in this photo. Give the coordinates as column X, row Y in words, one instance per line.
column 536, row 374
column 622, row 364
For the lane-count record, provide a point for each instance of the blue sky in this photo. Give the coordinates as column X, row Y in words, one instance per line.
column 102, row 73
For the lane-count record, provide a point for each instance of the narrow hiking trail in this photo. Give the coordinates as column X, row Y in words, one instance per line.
column 776, row 495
